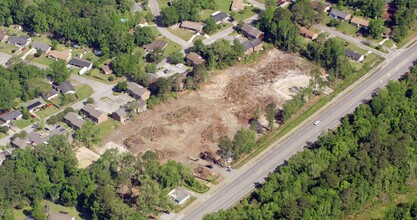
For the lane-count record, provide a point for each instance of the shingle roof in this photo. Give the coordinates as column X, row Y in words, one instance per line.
column 121, row 112
column 338, row 13
column 195, row 58
column 80, row 62
column 11, row 115
column 307, row 32
column 219, row 16
column 64, row 55
column 66, row 87
column 20, row 143
column 256, row 42
column 192, row 25
column 92, row 111
column 51, row 93
column 136, row 89
column 35, row 103
column 156, row 44
column 360, row 21
column 353, row 55
column 41, row 46
column 74, row 119
column 251, row 30
column 21, row 40
column 107, row 69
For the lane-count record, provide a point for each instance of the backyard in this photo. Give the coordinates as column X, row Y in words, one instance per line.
column 20, row 214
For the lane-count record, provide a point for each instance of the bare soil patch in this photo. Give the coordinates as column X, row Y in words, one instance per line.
column 194, row 121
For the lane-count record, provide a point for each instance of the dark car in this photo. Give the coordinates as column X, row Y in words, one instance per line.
column 209, row 166
column 167, row 212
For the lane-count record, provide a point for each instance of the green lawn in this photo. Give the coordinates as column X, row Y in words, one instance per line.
column 8, row 48
column 95, row 74
column 41, row 39
column 47, row 112
column 83, row 91
column 351, row 46
column 20, row 214
column 163, row 3
column 247, row 13
column 23, row 123
column 107, row 127
column 2, row 135
column 172, row 47
column 182, row 33
column 223, row 5
column 347, row 28
column 43, row 60
column 199, row 37
column 206, row 14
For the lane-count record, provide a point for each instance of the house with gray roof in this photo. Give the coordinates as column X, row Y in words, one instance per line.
column 66, row 88
column 81, row 63
column 11, row 116
column 341, row 15
column 22, row 41
column 137, row 91
column 94, row 114
column 51, row 94
column 355, row 56
column 251, row 32
column 73, row 120
column 19, row 143
column 35, row 105
column 161, row 44
column 219, row 17
column 179, row 195
column 45, row 48
column 254, row 45
column 121, row 115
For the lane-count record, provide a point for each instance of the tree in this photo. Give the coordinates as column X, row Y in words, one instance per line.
column 169, row 16
column 176, row 57
column 59, row 72
column 150, row 68
column 163, row 86
column 373, row 8
column 210, row 26
column 200, row 73
column 376, row 28
column 303, row 13
column 88, row 134
column 244, row 140
column 143, row 35
column 271, row 111
column 226, row 145
column 8, row 94
column 4, row 129
column 125, row 65
column 121, row 86
column 90, row 100
column 25, row 113
column 334, row 22
column 37, row 211
column 155, row 56
column 54, row 44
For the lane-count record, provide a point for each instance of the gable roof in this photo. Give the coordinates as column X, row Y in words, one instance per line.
column 107, row 68
column 121, row 112
column 74, row 119
column 237, row 5
column 35, row 103
column 360, row 21
column 219, row 16
column 156, row 44
column 251, row 30
column 192, row 25
column 92, row 111
column 11, row 115
column 353, row 55
column 340, row 14
column 64, row 55
column 20, row 143
column 136, row 89
column 195, row 58
column 80, row 62
column 50, row 94
column 307, row 32
column 66, row 87
column 21, row 40
column 251, row 44
column 41, row 46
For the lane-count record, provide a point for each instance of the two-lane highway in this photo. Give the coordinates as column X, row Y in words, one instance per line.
column 329, row 116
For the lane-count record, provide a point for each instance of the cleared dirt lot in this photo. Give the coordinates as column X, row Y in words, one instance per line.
column 195, row 121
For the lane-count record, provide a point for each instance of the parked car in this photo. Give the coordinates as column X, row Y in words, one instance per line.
column 316, row 122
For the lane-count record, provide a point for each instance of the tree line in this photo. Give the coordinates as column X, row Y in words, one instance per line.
column 372, row 153
column 50, row 172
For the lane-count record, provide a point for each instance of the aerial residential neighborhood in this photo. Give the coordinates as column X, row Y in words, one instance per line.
column 207, row 109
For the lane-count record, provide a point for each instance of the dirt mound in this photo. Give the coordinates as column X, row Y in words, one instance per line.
column 213, row 132
column 186, row 114
column 153, row 133
column 134, row 143
column 204, row 173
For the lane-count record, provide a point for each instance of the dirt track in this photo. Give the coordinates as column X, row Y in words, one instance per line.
column 195, row 121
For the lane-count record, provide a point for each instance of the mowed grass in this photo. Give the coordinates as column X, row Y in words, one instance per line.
column 7, row 48
column 72, row 211
column 23, row 123
column 223, row 5
column 95, row 74
column 47, row 111
column 181, row 33
column 83, row 91
column 107, row 127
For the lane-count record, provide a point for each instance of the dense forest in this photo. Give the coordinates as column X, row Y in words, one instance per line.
column 372, row 153
column 49, row 172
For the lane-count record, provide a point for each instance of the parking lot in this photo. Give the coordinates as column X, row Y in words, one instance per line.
column 166, row 70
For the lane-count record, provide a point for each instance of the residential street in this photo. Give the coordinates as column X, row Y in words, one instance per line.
column 238, row 185
column 354, row 40
column 257, row 4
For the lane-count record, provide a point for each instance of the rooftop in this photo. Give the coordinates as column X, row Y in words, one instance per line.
column 251, row 30
column 10, row 115
column 21, row 40
column 195, row 58
column 219, row 16
column 156, row 44
column 338, row 13
column 80, row 62
column 92, row 110
column 66, row 87
column 360, row 21
column 136, row 89
column 41, row 46
column 192, row 25
column 74, row 119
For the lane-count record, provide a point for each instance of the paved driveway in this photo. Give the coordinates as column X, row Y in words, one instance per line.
column 4, row 58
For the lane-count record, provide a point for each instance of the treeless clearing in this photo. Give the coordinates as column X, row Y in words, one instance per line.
column 194, row 122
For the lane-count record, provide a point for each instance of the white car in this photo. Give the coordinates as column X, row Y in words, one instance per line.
column 316, row 122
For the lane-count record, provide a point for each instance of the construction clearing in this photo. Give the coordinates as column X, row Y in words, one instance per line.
column 194, row 122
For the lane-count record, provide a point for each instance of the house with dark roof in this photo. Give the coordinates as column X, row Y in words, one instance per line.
column 308, row 33
column 66, row 88
column 137, row 91
column 191, row 25
column 194, row 59
column 161, row 44
column 45, row 48
column 341, row 15
column 219, row 17
column 35, row 105
column 11, row 116
column 359, row 22
column 251, row 32
column 355, row 56
column 60, row 55
column 73, row 120
column 254, row 45
column 51, row 94
column 107, row 69
column 237, row 5
column 121, row 115
column 19, row 143
column 22, row 41
column 93, row 113
column 81, row 63
column 3, row 35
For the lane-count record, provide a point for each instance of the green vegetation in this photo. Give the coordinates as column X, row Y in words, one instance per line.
column 107, row 127
column 23, row 123
column 372, row 153
column 8, row 48
column 182, row 33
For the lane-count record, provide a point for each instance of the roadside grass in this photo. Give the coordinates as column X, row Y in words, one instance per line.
column 2, row 135
column 268, row 139
column 107, row 127
column 206, row 14
column 96, row 75
column 351, row 46
column 411, row 36
column 172, row 47
column 245, row 14
column 23, row 123
column 20, row 214
column 199, row 37
column 179, row 208
column 181, row 33
column 222, row 27
column 8, row 48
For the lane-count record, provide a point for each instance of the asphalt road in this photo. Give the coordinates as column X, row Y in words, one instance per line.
column 330, row 115
column 351, row 39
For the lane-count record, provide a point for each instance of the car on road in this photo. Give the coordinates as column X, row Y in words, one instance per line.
column 167, row 212
column 316, row 122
